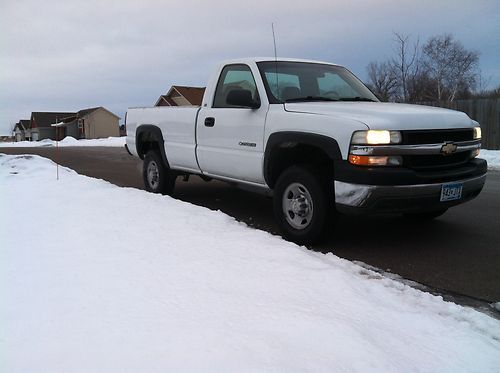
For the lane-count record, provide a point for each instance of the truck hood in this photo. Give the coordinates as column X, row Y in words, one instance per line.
column 390, row 116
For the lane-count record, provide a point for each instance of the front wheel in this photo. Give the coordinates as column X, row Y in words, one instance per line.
column 301, row 204
column 158, row 178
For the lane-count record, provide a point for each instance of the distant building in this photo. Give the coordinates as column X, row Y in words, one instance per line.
column 22, row 130
column 41, row 125
column 90, row 123
column 182, row 96
column 93, row 123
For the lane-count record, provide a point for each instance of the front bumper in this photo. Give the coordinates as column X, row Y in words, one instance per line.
column 400, row 190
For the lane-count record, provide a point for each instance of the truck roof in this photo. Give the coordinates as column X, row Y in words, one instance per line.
column 272, row 59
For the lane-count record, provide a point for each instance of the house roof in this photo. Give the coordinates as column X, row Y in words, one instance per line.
column 193, row 94
column 84, row 112
column 164, row 100
column 46, row 119
column 78, row 114
column 23, row 124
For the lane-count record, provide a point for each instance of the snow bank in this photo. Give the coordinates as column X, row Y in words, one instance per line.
column 94, row 277
column 492, row 157
column 67, row 141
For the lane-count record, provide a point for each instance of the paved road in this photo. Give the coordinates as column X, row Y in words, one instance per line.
column 458, row 253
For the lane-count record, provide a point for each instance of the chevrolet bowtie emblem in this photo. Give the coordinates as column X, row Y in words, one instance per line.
column 448, row 148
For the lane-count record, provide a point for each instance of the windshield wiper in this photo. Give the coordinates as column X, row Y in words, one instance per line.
column 310, row 98
column 356, row 99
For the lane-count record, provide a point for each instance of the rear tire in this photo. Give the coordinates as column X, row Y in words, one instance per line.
column 158, row 178
column 302, row 205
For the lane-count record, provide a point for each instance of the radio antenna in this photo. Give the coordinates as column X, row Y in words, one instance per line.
column 274, row 41
column 275, row 63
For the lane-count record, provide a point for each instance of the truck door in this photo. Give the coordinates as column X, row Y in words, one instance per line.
column 230, row 137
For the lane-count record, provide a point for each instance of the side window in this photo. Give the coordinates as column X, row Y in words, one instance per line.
column 234, row 77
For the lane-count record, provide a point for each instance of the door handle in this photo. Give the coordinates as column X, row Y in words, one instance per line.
column 209, row 122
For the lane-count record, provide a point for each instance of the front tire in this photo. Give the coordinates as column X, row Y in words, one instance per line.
column 302, row 205
column 158, row 178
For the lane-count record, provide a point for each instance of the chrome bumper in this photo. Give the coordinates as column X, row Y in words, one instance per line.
column 401, row 197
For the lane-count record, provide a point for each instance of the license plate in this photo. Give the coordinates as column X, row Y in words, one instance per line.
column 451, row 192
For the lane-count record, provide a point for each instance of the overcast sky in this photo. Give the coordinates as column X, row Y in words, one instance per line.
column 69, row 55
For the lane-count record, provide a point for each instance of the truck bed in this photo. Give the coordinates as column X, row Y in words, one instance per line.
column 178, row 127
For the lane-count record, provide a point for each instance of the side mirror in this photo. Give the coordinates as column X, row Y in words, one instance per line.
column 242, row 98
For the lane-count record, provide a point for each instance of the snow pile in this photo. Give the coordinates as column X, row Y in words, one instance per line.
column 71, row 141
column 492, row 157
column 67, row 141
column 97, row 278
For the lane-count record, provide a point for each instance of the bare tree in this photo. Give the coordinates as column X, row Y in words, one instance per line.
column 383, row 80
column 488, row 93
column 421, row 87
column 441, row 70
column 451, row 66
column 483, row 83
column 406, row 63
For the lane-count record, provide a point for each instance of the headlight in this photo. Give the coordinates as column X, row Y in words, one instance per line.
column 477, row 132
column 376, row 137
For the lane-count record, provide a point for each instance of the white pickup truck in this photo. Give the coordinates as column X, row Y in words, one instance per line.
column 312, row 135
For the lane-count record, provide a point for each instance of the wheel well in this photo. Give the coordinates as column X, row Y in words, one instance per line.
column 287, row 155
column 149, row 137
column 146, row 143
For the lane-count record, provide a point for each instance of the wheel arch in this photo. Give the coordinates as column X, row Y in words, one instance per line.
column 149, row 137
column 284, row 149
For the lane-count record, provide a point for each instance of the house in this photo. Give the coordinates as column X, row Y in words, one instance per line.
column 90, row 123
column 22, row 130
column 93, row 123
column 182, row 96
column 41, row 125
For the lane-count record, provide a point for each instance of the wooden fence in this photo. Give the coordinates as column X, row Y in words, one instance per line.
column 485, row 110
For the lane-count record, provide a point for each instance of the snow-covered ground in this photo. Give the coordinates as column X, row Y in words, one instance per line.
column 67, row 141
column 492, row 157
column 97, row 278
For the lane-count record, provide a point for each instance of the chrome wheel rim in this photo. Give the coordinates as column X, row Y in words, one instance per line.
column 153, row 175
column 297, row 206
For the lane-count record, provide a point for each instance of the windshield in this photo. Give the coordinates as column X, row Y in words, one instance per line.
column 303, row 81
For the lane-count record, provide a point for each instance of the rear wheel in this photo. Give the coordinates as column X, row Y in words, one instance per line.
column 158, row 178
column 301, row 204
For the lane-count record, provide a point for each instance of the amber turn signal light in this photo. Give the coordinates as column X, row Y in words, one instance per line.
column 369, row 160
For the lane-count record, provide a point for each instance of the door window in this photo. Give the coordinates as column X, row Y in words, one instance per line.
column 234, row 77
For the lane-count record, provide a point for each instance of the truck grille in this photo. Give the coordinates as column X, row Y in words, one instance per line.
column 437, row 136
column 436, row 161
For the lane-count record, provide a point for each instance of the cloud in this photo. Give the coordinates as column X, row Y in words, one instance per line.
column 70, row 55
